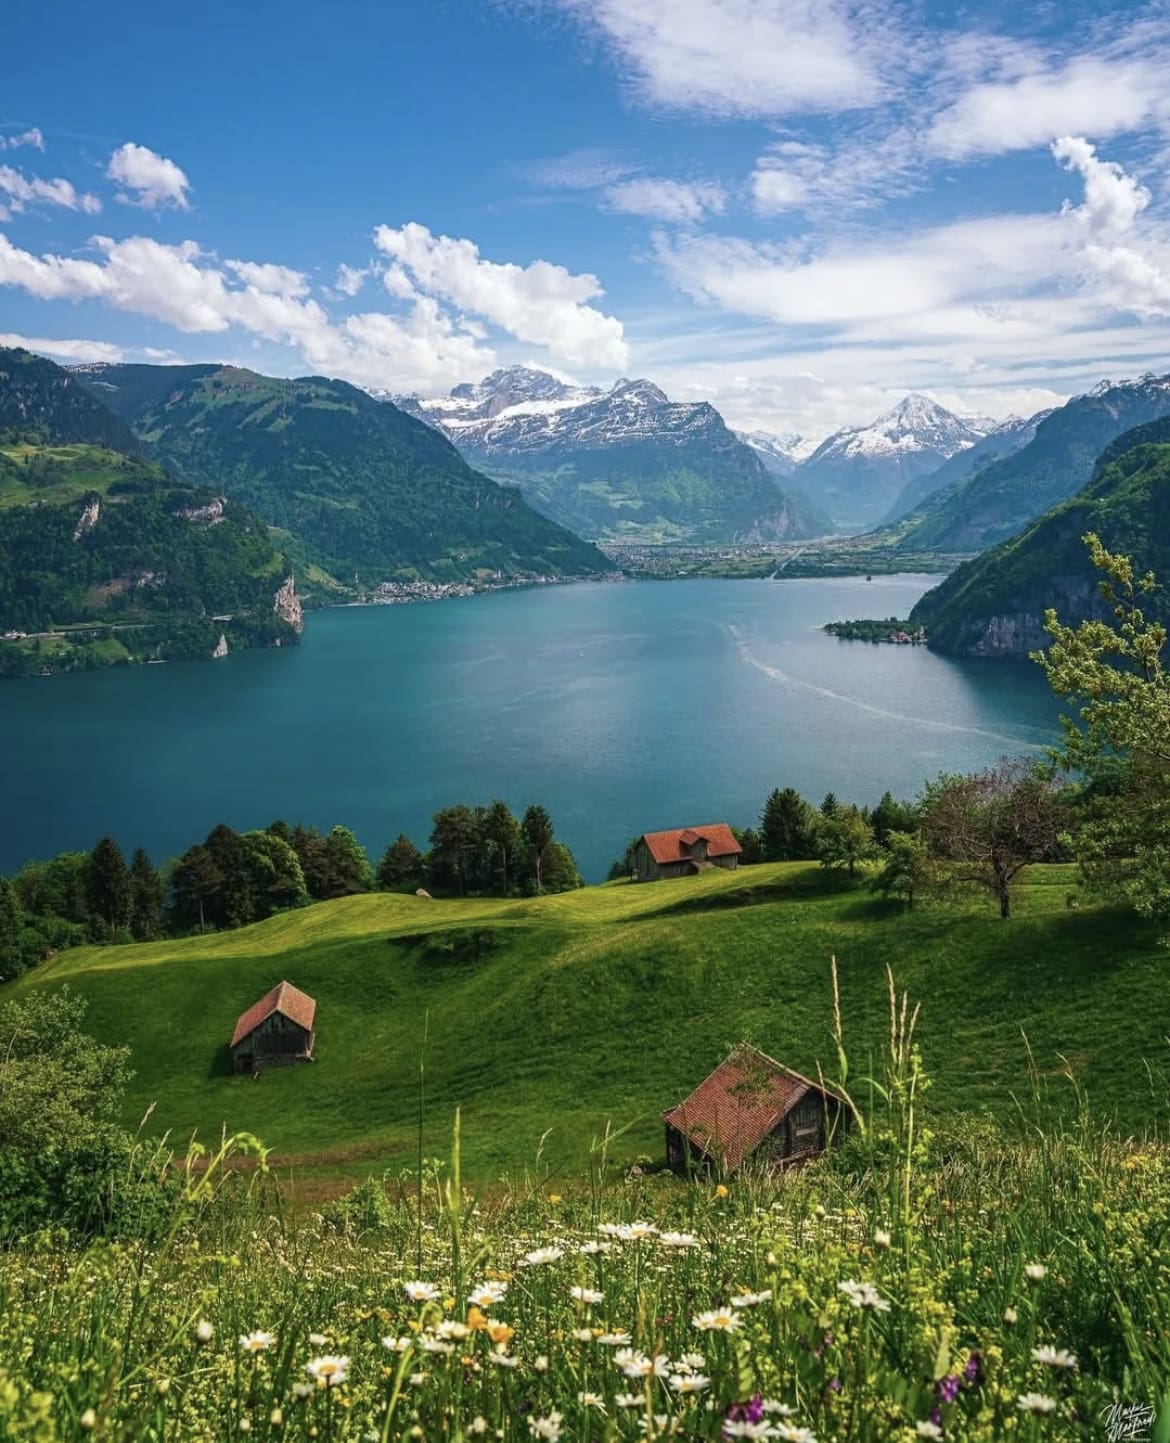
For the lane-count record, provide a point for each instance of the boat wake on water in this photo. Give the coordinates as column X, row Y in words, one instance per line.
column 796, row 684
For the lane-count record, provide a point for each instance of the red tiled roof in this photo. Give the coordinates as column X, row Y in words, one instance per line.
column 731, row 1112
column 284, row 998
column 668, row 846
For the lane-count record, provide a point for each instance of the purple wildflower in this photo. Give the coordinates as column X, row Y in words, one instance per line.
column 948, row 1388
column 973, row 1372
column 751, row 1411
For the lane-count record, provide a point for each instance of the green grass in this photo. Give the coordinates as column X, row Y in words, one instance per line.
column 60, row 474
column 610, row 1003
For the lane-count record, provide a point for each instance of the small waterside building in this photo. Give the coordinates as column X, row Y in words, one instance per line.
column 276, row 1031
column 685, row 851
column 751, row 1110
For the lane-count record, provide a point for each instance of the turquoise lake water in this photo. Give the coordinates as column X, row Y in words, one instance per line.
column 622, row 708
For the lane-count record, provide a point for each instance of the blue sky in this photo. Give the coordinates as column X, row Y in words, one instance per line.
column 798, row 209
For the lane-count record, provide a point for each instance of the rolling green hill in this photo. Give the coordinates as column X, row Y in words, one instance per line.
column 560, row 1013
column 373, row 493
column 994, row 605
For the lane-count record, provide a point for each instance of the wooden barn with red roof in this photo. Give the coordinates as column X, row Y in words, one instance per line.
column 752, row 1109
column 275, row 1031
column 685, row 851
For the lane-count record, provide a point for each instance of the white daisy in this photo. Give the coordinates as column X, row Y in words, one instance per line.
column 486, row 1295
column 256, row 1342
column 540, row 1256
column 1036, row 1403
column 1035, row 1272
column 927, row 1429
column 864, row 1295
column 750, row 1300
column 548, row 1429
column 586, row 1295
column 678, row 1240
column 689, row 1382
column 628, row 1400
column 1054, row 1357
column 419, row 1292
column 593, row 1247
column 592, row 1400
column 718, row 1320
column 617, row 1339
column 746, row 1429
column 328, row 1372
column 398, row 1345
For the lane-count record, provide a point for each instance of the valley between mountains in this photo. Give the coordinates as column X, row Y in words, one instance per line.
column 156, row 511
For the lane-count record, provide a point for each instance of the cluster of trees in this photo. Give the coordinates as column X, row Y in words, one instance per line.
column 981, row 830
column 485, row 852
column 231, row 879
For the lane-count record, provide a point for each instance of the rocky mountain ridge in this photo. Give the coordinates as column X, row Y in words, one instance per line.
column 626, row 463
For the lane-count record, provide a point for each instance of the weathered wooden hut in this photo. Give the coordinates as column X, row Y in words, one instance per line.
column 685, row 851
column 752, row 1109
column 275, row 1031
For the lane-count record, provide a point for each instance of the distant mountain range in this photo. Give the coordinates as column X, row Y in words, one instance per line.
column 994, row 605
column 627, row 463
column 780, row 452
column 1000, row 498
column 860, row 472
column 1002, row 440
column 369, row 493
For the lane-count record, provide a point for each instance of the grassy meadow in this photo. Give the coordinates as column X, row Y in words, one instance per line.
column 548, row 1019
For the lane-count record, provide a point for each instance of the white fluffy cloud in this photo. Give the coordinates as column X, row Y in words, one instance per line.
column 540, row 303
column 350, row 279
column 423, row 349
column 1095, row 95
column 147, row 179
column 273, row 279
column 667, row 200
column 1136, row 275
column 68, row 350
column 1042, row 303
column 31, row 137
column 744, row 57
column 17, row 191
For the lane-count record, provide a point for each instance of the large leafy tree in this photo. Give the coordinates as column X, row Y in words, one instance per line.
column 993, row 824
column 906, row 870
column 60, row 1096
column 1115, row 674
column 844, row 839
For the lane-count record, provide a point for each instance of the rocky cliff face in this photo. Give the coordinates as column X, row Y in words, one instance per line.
column 88, row 519
column 287, row 605
column 221, row 647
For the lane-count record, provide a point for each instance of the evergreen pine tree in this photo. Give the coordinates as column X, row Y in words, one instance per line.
column 146, row 898
column 110, row 896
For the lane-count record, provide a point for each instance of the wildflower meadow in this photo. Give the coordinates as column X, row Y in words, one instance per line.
column 973, row 1285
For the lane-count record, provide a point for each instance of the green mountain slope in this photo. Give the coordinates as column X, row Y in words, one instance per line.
column 103, row 557
column 608, row 1004
column 374, row 494
column 1000, row 499
column 994, row 605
